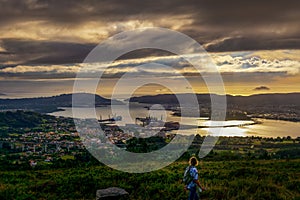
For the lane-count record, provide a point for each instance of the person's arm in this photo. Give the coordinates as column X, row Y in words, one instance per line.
column 198, row 184
column 196, row 179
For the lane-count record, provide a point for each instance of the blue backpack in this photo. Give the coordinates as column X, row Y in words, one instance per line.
column 187, row 178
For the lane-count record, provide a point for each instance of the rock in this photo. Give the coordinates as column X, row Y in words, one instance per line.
column 112, row 193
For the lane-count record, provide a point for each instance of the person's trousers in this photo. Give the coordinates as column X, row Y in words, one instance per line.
column 193, row 194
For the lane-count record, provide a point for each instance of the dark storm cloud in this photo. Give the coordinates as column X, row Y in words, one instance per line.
column 46, row 52
column 258, row 43
column 220, row 25
column 216, row 12
column 77, row 11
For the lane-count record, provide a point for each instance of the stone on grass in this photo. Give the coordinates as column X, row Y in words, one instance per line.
column 112, row 193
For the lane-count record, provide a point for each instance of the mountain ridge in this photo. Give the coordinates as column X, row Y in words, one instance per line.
column 51, row 104
column 255, row 99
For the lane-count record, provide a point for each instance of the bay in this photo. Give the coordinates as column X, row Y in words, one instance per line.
column 265, row 127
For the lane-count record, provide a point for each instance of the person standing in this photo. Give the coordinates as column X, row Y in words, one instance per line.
column 193, row 185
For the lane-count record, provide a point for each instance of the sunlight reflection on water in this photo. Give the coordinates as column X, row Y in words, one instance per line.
column 267, row 128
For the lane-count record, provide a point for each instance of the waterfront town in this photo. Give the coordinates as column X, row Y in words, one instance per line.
column 57, row 137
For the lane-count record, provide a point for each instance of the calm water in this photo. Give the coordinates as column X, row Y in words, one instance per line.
column 268, row 128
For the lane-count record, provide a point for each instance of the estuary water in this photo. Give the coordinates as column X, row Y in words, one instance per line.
column 265, row 127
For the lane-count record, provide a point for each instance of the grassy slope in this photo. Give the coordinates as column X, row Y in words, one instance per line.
column 257, row 179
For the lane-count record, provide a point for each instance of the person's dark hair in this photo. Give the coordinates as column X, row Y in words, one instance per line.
column 193, row 161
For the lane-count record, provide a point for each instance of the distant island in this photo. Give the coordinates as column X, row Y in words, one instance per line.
column 52, row 104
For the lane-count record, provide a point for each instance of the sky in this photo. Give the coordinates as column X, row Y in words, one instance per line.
column 254, row 44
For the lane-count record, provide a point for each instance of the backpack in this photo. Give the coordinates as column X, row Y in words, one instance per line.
column 187, row 178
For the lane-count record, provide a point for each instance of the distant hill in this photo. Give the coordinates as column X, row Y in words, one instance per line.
column 268, row 106
column 253, row 100
column 19, row 122
column 266, row 99
column 21, row 119
column 51, row 104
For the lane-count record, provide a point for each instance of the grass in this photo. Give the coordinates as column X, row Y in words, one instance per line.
column 253, row 179
column 67, row 157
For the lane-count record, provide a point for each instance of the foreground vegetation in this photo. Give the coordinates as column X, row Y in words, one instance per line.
column 247, row 179
column 237, row 167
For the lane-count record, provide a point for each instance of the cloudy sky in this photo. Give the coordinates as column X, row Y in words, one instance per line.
column 255, row 44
